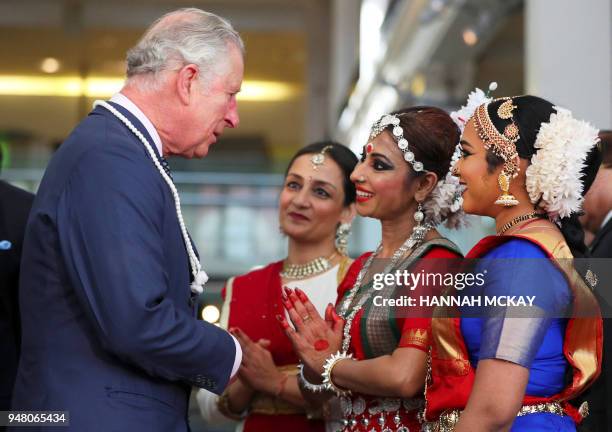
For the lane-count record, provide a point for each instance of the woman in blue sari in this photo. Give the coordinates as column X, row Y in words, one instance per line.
column 516, row 367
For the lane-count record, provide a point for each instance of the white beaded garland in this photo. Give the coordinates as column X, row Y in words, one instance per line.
column 199, row 275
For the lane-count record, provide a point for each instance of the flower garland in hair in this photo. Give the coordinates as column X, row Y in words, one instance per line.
column 553, row 177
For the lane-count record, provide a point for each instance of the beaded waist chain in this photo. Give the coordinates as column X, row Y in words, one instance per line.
column 449, row 419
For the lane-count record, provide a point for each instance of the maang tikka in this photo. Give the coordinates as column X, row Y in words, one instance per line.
column 318, row 159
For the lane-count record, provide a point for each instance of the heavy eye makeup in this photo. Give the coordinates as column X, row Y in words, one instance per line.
column 380, row 162
column 465, row 152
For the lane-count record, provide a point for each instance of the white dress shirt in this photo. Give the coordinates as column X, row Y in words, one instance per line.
column 125, row 102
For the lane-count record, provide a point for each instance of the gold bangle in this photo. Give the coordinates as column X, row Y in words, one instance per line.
column 223, row 403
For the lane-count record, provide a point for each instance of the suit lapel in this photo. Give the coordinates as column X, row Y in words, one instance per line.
column 137, row 124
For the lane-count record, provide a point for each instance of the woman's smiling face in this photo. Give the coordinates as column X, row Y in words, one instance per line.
column 474, row 174
column 383, row 191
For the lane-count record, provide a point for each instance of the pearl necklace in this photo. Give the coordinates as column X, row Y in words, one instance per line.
column 199, row 275
column 307, row 270
column 415, row 239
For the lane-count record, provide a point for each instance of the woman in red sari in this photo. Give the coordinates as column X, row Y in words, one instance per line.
column 316, row 205
column 495, row 371
column 368, row 352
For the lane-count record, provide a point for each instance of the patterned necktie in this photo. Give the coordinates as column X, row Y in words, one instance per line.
column 166, row 166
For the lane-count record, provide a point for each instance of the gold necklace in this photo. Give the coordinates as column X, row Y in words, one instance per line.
column 311, row 268
column 519, row 219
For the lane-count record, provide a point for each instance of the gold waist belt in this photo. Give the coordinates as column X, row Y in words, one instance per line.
column 449, row 419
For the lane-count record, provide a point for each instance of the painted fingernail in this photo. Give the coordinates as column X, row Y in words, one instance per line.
column 282, row 321
column 302, row 296
column 284, row 297
column 288, row 305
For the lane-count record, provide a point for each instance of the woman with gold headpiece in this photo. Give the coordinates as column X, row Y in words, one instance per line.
column 368, row 350
column 316, row 207
column 527, row 164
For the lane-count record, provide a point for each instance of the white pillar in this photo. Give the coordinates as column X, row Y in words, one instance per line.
column 569, row 56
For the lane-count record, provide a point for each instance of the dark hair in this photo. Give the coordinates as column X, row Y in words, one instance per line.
column 530, row 113
column 342, row 155
column 606, row 147
column 432, row 136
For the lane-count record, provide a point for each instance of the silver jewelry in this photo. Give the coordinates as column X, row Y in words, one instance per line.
column 311, row 268
column 411, row 242
column 342, row 233
column 398, row 135
column 318, row 159
column 307, row 385
column 327, row 370
column 199, row 275
column 420, row 230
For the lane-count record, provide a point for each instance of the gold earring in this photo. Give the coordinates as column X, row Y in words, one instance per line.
column 506, row 199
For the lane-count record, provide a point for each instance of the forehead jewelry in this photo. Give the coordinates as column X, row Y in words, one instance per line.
column 318, row 159
column 501, row 144
column 398, row 135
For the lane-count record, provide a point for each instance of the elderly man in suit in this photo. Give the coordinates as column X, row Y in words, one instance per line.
column 597, row 220
column 109, row 274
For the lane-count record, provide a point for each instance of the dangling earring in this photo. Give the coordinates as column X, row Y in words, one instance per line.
column 342, row 233
column 419, row 231
column 506, row 199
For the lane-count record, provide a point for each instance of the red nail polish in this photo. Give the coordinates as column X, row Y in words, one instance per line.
column 288, row 305
column 302, row 296
column 284, row 297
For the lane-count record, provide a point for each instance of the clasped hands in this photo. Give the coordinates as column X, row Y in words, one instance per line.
column 257, row 369
column 314, row 339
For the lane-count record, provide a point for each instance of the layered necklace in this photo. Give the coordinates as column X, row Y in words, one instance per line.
column 415, row 239
column 307, row 270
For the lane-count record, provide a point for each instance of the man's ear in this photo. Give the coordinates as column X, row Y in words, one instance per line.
column 426, row 184
column 187, row 82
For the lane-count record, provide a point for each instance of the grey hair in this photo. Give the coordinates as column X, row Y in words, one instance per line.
column 184, row 36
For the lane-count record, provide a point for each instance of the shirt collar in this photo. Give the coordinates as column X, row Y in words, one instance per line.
column 125, row 102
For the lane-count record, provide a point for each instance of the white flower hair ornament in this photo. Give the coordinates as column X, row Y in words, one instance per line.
column 553, row 177
column 476, row 98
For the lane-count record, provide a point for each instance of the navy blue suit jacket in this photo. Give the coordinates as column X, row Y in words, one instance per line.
column 108, row 325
